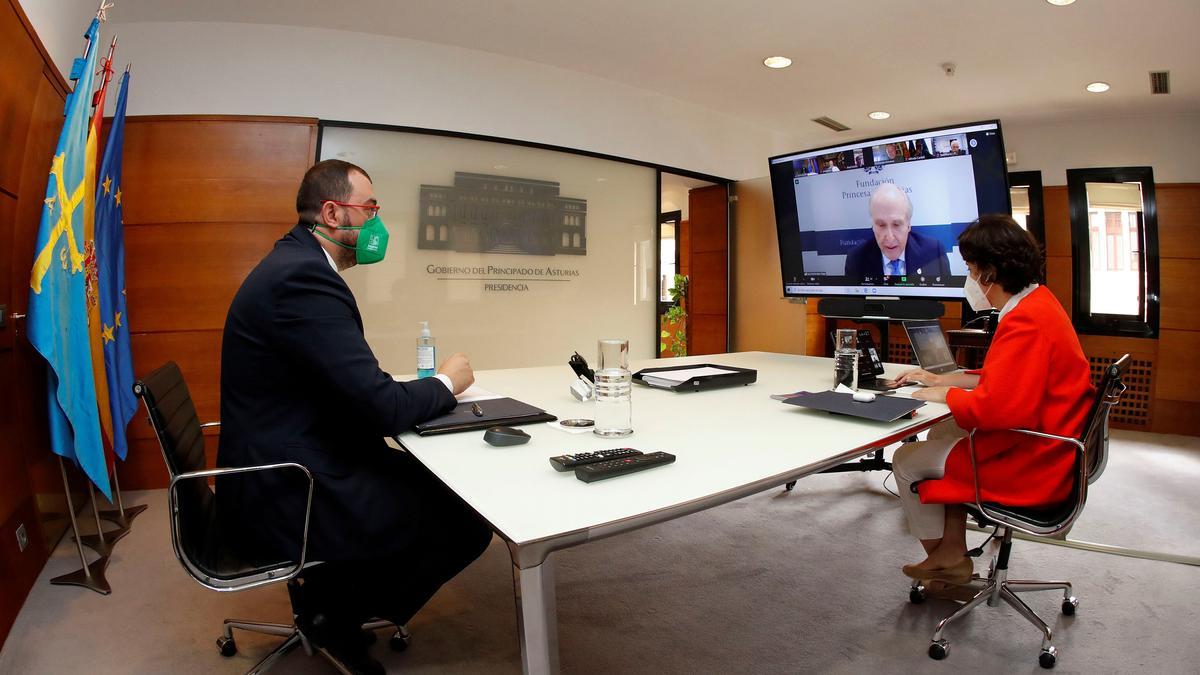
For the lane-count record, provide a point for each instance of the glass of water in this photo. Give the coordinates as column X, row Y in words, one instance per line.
column 614, row 385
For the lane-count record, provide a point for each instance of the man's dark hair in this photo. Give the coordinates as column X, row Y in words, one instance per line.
column 329, row 179
column 998, row 243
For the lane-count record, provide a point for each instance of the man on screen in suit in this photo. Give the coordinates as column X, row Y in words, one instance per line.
column 895, row 249
column 300, row 384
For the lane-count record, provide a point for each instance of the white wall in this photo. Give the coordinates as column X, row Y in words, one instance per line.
column 1170, row 144
column 60, row 25
column 226, row 68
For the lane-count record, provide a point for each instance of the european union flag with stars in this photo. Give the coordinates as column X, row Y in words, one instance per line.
column 58, row 327
column 110, row 264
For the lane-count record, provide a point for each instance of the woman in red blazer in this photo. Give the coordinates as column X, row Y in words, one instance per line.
column 1035, row 376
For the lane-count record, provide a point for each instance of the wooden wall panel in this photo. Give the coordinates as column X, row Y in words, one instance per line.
column 205, row 199
column 188, row 170
column 19, row 569
column 709, row 266
column 1178, row 220
column 22, row 67
column 8, row 218
column 761, row 318
column 14, row 484
column 1057, row 214
column 1059, row 280
column 1179, row 369
column 1179, row 306
column 194, row 290
column 707, row 334
column 708, row 270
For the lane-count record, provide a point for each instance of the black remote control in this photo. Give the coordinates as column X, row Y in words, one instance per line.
column 568, row 462
column 590, row 473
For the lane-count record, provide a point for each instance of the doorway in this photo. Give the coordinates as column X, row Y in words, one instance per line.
column 693, row 243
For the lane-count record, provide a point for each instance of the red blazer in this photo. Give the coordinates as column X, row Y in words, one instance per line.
column 1036, row 377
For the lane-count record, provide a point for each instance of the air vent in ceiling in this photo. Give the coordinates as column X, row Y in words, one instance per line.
column 1160, row 82
column 831, row 123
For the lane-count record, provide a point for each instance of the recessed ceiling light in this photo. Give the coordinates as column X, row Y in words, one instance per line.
column 777, row 62
column 879, row 115
column 1060, row 3
column 1098, row 87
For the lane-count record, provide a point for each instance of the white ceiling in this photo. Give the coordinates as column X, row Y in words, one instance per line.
column 1016, row 59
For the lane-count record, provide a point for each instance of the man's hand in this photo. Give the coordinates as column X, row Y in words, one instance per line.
column 931, row 394
column 458, row 369
column 918, row 376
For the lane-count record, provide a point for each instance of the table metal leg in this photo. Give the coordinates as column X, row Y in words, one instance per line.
column 537, row 619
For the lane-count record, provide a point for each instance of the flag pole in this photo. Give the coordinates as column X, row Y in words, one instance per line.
column 97, row 542
column 121, row 516
column 91, row 576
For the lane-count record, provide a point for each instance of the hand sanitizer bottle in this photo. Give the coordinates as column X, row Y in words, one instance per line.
column 426, row 353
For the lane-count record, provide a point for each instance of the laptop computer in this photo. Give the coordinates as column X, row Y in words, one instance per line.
column 929, row 346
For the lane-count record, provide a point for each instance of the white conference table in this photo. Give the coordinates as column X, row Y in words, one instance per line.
column 730, row 443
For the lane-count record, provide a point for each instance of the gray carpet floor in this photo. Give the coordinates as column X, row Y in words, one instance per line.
column 806, row 581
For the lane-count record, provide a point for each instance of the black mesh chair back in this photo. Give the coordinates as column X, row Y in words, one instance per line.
column 201, row 546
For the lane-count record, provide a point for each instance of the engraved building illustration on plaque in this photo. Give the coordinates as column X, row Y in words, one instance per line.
column 499, row 214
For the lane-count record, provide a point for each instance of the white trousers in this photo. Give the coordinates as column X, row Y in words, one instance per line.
column 921, row 460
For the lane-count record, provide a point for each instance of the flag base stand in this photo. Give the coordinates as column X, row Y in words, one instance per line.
column 121, row 515
column 90, row 577
column 103, row 546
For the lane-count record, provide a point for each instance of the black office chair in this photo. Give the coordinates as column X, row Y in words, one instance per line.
column 1091, row 449
column 196, row 535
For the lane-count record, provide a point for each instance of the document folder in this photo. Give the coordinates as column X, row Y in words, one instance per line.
column 882, row 409
column 496, row 412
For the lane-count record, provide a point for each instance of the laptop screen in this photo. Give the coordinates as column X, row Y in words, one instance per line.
column 929, row 346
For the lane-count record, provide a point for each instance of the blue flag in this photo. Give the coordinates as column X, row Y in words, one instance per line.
column 58, row 321
column 110, row 268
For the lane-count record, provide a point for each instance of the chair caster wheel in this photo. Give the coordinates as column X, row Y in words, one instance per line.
column 1069, row 605
column 227, row 646
column 939, row 649
column 789, row 486
column 916, row 595
column 1047, row 658
column 400, row 641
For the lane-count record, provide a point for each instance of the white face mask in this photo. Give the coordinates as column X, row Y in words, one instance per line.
column 976, row 296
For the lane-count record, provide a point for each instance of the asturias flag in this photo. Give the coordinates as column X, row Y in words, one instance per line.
column 57, row 321
column 110, row 263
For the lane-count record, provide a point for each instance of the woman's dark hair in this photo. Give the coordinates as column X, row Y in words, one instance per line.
column 329, row 179
column 996, row 243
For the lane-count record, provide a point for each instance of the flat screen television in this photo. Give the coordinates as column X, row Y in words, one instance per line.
column 880, row 218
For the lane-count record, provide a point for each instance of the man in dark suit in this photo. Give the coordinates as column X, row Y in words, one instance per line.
column 895, row 249
column 300, row 384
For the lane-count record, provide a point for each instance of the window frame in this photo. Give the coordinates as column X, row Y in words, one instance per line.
column 1120, row 325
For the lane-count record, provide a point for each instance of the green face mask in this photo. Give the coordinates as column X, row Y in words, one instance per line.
column 372, row 241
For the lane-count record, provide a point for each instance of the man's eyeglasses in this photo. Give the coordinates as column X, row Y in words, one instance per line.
column 371, row 210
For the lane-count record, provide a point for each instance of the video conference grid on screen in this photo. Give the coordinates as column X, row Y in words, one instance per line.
column 882, row 217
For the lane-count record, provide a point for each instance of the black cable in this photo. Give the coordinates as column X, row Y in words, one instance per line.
column 978, row 550
column 885, row 487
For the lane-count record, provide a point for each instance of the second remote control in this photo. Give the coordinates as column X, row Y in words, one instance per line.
column 590, row 473
column 568, row 462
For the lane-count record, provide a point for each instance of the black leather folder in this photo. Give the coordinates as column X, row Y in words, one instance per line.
column 882, row 409
column 496, row 412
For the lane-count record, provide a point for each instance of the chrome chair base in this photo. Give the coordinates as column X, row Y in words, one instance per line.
column 399, row 641
column 993, row 589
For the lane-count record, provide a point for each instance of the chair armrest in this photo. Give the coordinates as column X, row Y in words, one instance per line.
column 272, row 577
column 1079, row 447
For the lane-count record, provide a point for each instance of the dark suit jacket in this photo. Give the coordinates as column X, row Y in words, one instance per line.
column 921, row 252
column 300, row 384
